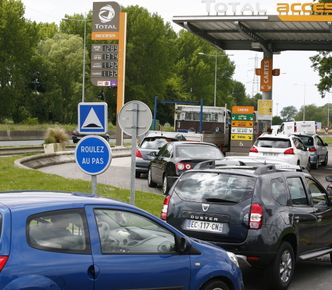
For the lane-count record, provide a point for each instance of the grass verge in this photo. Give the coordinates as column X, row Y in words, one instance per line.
column 13, row 178
column 327, row 139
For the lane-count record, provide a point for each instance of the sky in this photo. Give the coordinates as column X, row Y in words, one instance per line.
column 294, row 87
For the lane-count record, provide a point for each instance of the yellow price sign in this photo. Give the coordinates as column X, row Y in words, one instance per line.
column 244, row 137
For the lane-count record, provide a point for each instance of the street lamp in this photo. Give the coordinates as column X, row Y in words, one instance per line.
column 84, row 49
column 215, row 73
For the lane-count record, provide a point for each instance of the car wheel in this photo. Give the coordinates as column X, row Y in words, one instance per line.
column 215, row 285
column 326, row 160
column 137, row 174
column 308, row 165
column 165, row 185
column 282, row 270
column 150, row 182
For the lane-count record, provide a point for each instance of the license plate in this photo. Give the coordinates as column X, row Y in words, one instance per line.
column 270, row 154
column 204, row 226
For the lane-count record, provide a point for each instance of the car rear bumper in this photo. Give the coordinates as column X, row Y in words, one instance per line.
column 142, row 165
column 313, row 159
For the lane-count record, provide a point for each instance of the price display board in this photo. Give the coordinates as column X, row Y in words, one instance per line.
column 104, row 64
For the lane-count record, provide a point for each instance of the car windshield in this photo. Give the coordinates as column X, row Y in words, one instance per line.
column 307, row 140
column 198, row 151
column 215, row 187
column 153, row 143
column 273, row 143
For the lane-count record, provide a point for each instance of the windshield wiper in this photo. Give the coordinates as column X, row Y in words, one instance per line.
column 216, row 199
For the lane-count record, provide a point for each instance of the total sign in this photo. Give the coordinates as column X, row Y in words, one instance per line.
column 93, row 155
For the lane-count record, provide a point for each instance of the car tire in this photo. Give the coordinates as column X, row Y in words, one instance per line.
column 308, row 167
column 326, row 160
column 282, row 270
column 150, row 182
column 165, row 186
column 215, row 285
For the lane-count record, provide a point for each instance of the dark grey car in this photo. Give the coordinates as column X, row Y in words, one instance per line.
column 177, row 157
column 147, row 151
column 270, row 217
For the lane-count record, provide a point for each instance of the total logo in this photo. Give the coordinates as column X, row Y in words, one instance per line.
column 106, row 14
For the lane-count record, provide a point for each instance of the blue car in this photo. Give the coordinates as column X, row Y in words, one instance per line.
column 57, row 240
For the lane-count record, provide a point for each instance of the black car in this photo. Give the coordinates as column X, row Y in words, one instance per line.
column 76, row 136
column 147, row 150
column 268, row 215
column 177, row 157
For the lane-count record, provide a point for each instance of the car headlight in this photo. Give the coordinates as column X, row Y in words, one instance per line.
column 233, row 258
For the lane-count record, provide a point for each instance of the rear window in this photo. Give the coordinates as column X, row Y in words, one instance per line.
column 307, row 140
column 215, row 187
column 198, row 151
column 273, row 143
column 153, row 143
column 62, row 231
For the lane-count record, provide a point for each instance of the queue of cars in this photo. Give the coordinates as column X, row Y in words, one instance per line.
column 218, row 210
column 266, row 207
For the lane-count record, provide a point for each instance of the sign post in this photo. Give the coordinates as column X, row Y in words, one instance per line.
column 135, row 119
column 93, row 156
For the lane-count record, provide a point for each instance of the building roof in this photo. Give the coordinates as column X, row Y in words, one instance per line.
column 255, row 32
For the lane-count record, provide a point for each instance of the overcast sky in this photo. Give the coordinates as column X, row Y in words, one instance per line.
column 294, row 86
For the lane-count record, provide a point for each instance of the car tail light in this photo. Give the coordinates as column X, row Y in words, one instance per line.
column 164, row 210
column 312, row 149
column 138, row 153
column 3, row 261
column 256, row 216
column 289, row 151
column 253, row 150
column 183, row 166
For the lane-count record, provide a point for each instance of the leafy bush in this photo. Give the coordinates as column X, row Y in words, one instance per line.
column 55, row 135
column 31, row 121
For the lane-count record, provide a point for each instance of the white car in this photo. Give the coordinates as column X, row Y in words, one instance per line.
column 288, row 149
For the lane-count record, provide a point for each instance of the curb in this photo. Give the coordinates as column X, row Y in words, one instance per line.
column 44, row 160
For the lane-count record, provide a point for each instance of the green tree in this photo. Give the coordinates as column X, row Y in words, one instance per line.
column 195, row 65
column 60, row 64
column 322, row 63
column 288, row 113
column 18, row 38
column 276, row 120
column 150, row 55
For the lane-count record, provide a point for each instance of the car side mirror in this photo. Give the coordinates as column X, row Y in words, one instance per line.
column 328, row 178
column 325, row 144
column 182, row 245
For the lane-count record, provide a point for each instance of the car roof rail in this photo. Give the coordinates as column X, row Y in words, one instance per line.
column 265, row 169
column 212, row 164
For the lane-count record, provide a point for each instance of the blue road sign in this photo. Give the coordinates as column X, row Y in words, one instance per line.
column 93, row 155
column 92, row 118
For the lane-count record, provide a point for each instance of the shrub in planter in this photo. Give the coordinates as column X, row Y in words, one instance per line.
column 55, row 140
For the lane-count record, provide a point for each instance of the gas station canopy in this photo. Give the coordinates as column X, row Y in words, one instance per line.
column 259, row 32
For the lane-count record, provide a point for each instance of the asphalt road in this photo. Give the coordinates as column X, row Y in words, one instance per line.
column 311, row 275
